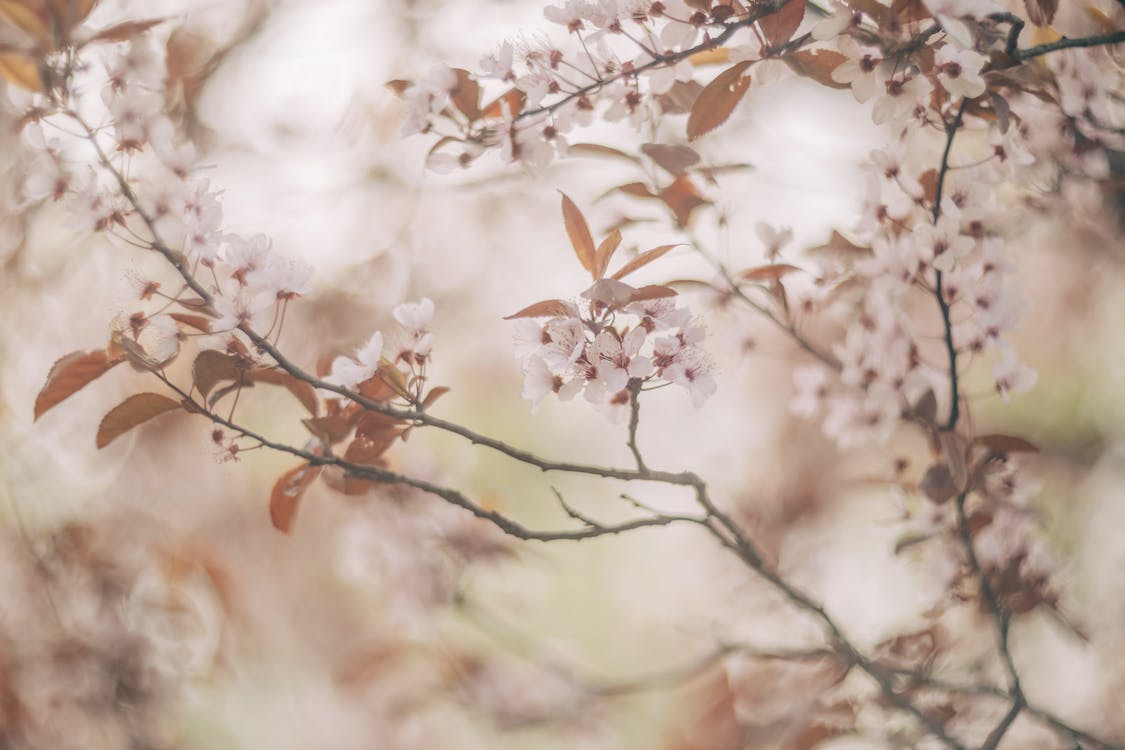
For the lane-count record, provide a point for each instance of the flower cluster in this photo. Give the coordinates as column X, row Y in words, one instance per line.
column 399, row 361
column 613, row 348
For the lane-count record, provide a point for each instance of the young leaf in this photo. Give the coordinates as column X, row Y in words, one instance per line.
column 286, row 495
column 779, row 27
column 466, row 94
column 605, row 252
column 772, row 272
column 682, row 198
column 135, row 410
column 71, row 374
column 211, row 367
column 653, row 291
column 21, row 70
column 299, row 388
column 330, row 429
column 998, row 443
column 648, row 256
column 675, row 159
column 718, row 99
column 818, row 65
column 548, row 308
column 513, row 100
column 434, row 395
column 198, row 322
column 596, row 149
column 579, row 233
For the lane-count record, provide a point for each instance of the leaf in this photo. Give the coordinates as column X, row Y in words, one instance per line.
column 579, row 233
column 717, row 100
column 772, row 272
column 779, row 27
column 653, row 291
column 605, row 251
column 817, row 65
column 466, row 94
column 434, row 395
column 1041, row 12
column 636, row 189
column 998, row 443
column 548, row 308
column 212, row 367
column 369, row 449
column 21, row 70
column 839, row 246
column 32, row 23
column 123, row 32
column 873, row 8
column 928, row 181
column 299, row 388
column 331, row 429
column 596, row 149
column 286, row 495
column 198, row 322
column 514, row 100
column 133, row 411
column 953, row 448
column 71, row 374
column 937, row 484
column 910, row 11
column 925, row 408
column 398, row 86
column 675, row 159
column 713, row 56
column 648, row 256
column 682, row 197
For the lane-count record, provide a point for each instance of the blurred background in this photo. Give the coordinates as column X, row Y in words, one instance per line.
column 147, row 602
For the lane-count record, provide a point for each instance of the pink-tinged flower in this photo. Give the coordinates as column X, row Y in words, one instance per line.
column 958, row 71
column 811, row 390
column 891, row 163
column 859, row 70
column 47, row 177
column 539, row 380
column 348, row 372
column 134, row 111
column 427, row 98
column 414, row 342
column 694, row 372
column 246, row 256
column 571, row 14
column 943, row 244
column 841, row 19
column 773, row 239
column 901, row 94
column 97, row 209
column 1011, row 375
column 660, row 314
column 283, row 277
column 203, row 214
column 237, row 306
column 500, row 64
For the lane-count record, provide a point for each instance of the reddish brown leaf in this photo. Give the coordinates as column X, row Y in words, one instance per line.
column 579, row 232
column 398, row 86
column 299, row 388
column 653, row 291
column 548, row 308
column 839, row 246
column 779, row 27
column 928, row 181
column 772, row 272
column 369, row 449
column 212, row 367
column 71, row 374
column 682, row 198
column 873, row 8
column 648, row 256
column 953, row 448
column 718, row 99
column 1006, row 444
column 198, row 322
column 514, row 100
column 596, row 149
column 675, row 159
column 466, row 94
column 33, row 22
column 605, row 251
column 123, row 32
column 1041, row 12
column 818, row 65
column 434, row 395
column 636, row 189
column 909, row 11
column 133, row 411
column 286, row 495
column 21, row 70
column 331, row 429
